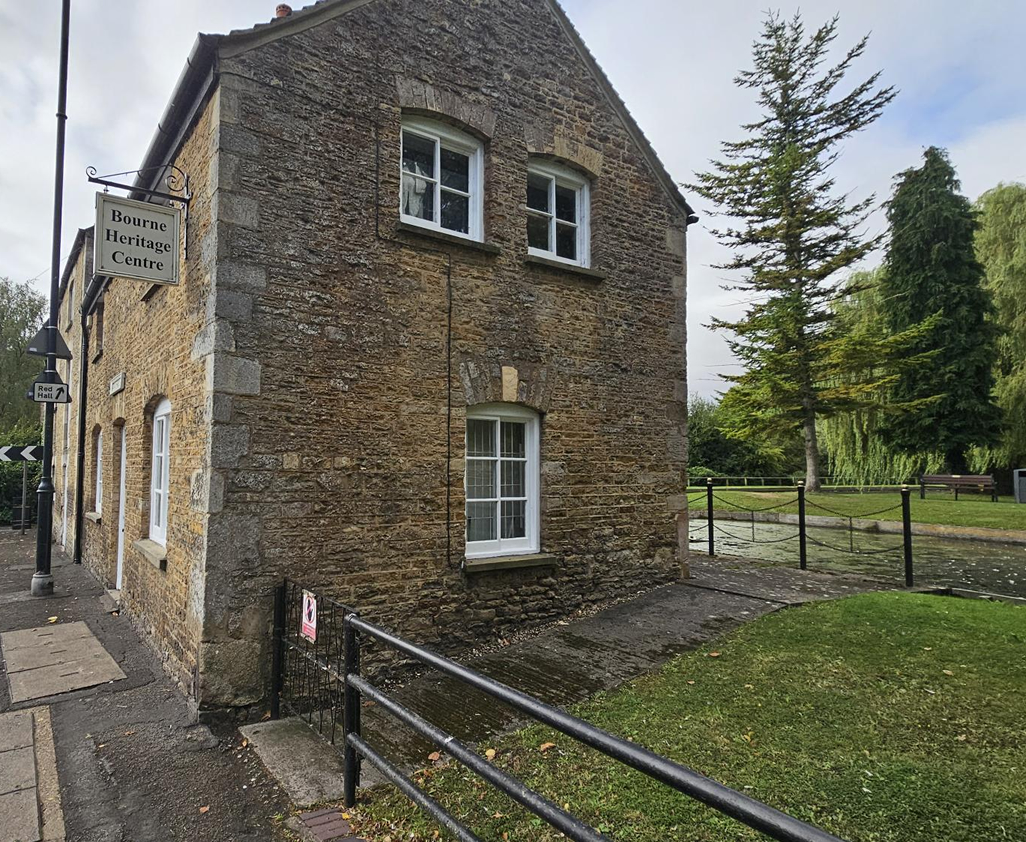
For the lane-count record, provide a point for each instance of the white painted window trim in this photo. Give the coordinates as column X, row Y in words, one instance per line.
column 456, row 141
column 531, row 543
column 98, row 501
column 159, row 472
column 565, row 177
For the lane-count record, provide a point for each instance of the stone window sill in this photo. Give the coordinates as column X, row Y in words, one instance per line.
column 449, row 239
column 97, row 355
column 152, row 552
column 569, row 268
column 93, row 516
column 510, row 562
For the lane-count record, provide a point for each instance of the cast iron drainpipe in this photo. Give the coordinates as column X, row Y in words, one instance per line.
column 87, row 305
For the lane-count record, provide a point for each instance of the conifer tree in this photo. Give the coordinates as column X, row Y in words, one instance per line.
column 792, row 233
column 931, row 269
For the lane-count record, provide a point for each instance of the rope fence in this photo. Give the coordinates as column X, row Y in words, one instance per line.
column 803, row 535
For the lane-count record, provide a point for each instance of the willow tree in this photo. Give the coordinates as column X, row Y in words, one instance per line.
column 1001, row 248
column 931, row 269
column 793, row 233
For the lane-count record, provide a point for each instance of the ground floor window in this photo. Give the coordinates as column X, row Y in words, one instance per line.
column 159, row 472
column 502, row 480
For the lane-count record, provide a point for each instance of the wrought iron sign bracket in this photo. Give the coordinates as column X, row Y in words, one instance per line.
column 176, row 181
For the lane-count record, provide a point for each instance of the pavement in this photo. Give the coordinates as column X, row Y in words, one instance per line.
column 121, row 756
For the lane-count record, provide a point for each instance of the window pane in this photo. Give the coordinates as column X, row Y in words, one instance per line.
column 566, row 241
column 514, row 519
column 513, row 439
column 455, row 212
column 538, row 232
column 480, row 437
column 566, row 204
column 480, row 479
column 538, row 192
column 418, row 155
column 513, row 484
column 481, row 524
column 418, row 198
column 455, row 170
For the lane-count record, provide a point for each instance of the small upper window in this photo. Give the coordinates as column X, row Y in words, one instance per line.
column 98, row 502
column 159, row 473
column 557, row 213
column 502, row 479
column 442, row 179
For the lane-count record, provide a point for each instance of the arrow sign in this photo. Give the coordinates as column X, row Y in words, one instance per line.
column 50, row 393
column 38, row 345
column 21, row 453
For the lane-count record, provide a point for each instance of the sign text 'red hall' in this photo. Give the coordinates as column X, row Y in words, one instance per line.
column 136, row 240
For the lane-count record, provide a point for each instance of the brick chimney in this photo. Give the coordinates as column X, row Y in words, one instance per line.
column 283, row 10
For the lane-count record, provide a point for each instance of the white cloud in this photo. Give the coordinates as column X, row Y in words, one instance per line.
column 959, row 67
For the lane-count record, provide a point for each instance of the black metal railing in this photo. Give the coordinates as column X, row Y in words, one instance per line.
column 318, row 679
column 715, row 527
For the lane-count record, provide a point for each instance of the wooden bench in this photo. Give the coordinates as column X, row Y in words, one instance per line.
column 965, row 482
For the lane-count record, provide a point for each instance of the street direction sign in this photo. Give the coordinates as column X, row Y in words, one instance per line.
column 38, row 345
column 51, row 393
column 21, row 453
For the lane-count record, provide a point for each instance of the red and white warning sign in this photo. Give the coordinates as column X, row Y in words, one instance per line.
column 308, row 629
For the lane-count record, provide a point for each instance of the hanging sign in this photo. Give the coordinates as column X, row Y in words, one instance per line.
column 308, row 629
column 136, row 240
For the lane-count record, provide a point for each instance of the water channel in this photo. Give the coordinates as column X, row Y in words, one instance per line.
column 943, row 562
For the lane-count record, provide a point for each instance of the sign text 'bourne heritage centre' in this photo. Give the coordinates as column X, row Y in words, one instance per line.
column 136, row 240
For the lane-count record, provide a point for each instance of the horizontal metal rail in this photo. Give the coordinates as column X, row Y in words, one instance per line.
column 743, row 808
column 411, row 790
column 569, row 825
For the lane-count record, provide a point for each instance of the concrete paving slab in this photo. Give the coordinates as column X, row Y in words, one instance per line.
column 19, row 818
column 43, row 636
column 307, row 768
column 15, row 730
column 60, row 652
column 17, row 770
column 63, row 677
column 48, row 790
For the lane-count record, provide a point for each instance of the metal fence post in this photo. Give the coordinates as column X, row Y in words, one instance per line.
column 350, row 713
column 906, row 531
column 709, row 515
column 803, row 558
column 278, row 649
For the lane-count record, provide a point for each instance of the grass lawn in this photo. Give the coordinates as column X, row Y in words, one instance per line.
column 888, row 716
column 971, row 511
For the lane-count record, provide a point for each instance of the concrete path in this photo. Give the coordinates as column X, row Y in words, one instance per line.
column 132, row 763
column 30, row 807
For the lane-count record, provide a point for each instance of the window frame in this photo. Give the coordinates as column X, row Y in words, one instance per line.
column 98, row 484
column 160, row 474
column 456, row 141
column 531, row 542
column 563, row 176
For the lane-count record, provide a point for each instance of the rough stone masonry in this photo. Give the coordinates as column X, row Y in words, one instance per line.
column 320, row 355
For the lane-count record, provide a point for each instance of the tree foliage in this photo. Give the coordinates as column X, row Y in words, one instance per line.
column 21, row 314
column 1001, row 248
column 931, row 270
column 792, row 232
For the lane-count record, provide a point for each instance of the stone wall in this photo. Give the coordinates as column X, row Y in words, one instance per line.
column 150, row 335
column 344, row 349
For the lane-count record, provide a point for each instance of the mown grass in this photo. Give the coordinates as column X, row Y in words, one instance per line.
column 971, row 511
column 881, row 718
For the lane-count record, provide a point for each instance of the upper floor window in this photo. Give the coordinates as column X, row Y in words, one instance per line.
column 557, row 213
column 502, row 480
column 159, row 471
column 442, row 179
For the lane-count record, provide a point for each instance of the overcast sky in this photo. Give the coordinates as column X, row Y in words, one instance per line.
column 961, row 69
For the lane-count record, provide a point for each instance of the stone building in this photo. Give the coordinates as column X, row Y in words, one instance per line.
column 426, row 353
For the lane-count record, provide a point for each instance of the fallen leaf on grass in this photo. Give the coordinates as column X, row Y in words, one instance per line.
column 490, row 754
column 947, row 672
column 961, row 738
column 435, row 756
column 204, row 809
column 714, row 654
column 546, row 746
column 691, row 682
